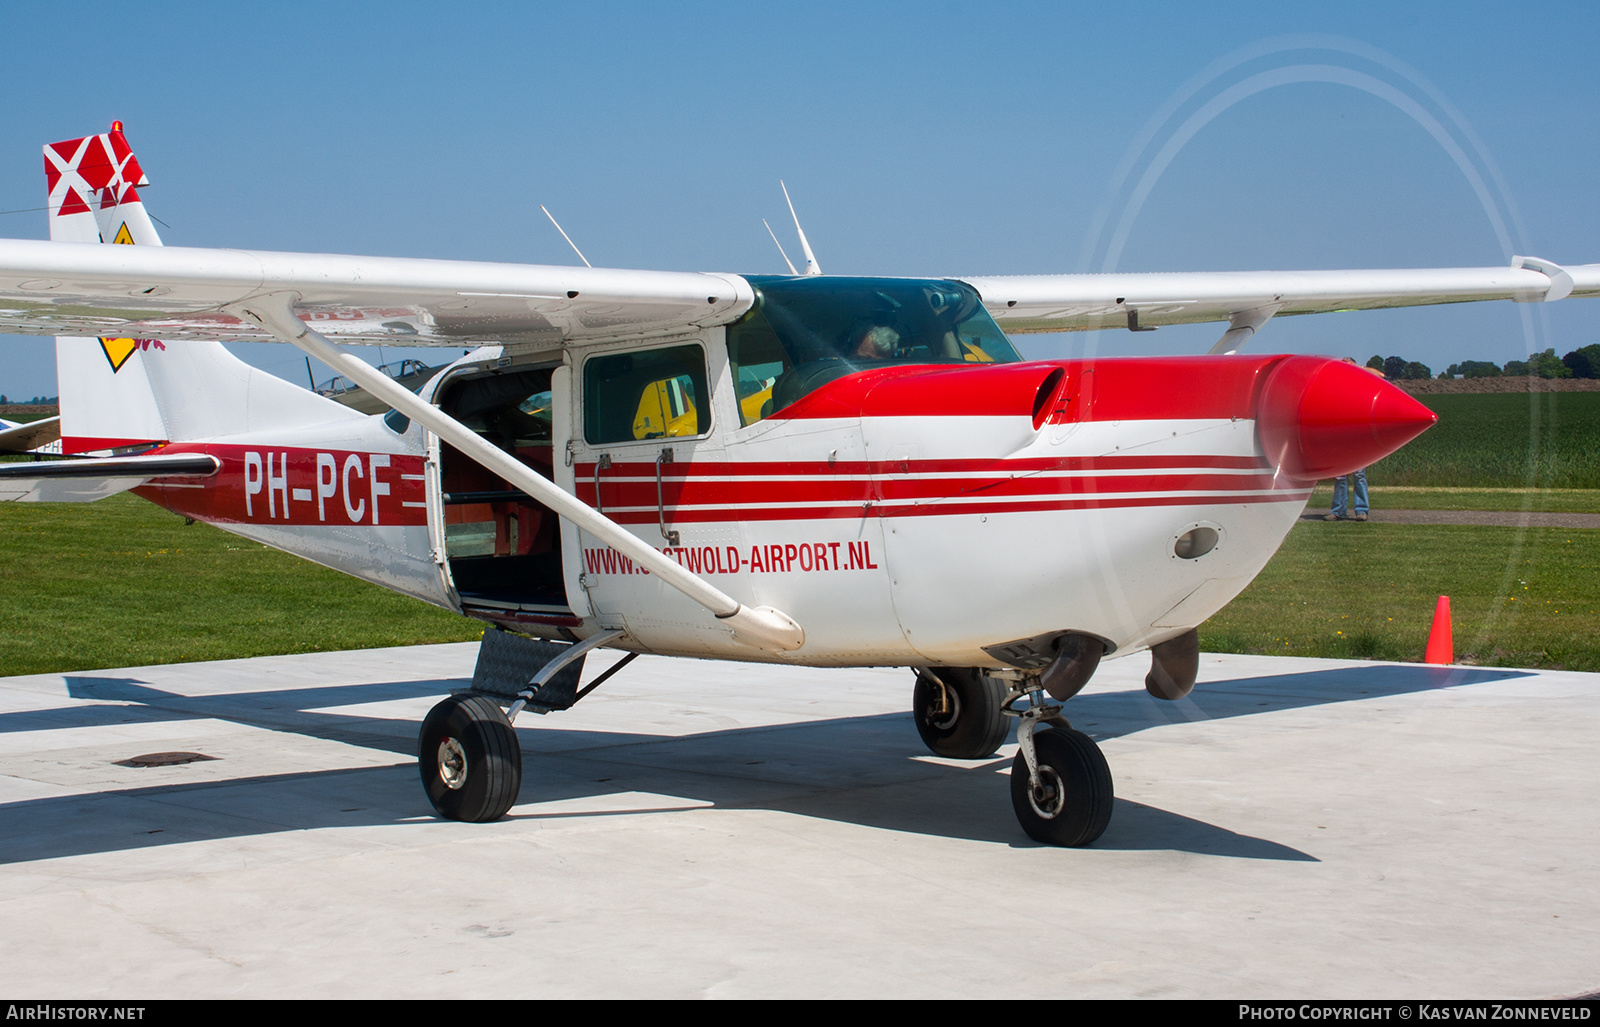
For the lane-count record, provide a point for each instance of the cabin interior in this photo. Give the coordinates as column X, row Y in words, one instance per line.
column 503, row 547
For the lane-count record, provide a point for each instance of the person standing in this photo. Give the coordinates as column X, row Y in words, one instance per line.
column 1350, row 490
column 1346, row 487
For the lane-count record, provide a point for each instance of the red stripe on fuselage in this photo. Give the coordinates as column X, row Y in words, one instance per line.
column 999, row 466
column 683, row 494
column 942, row 508
column 282, row 485
column 723, row 491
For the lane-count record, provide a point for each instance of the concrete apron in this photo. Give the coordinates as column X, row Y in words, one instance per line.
column 1296, row 828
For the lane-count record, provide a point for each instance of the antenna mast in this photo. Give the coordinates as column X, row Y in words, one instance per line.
column 779, row 245
column 812, row 268
column 568, row 238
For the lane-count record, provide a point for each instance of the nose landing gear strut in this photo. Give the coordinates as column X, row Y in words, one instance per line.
column 1060, row 782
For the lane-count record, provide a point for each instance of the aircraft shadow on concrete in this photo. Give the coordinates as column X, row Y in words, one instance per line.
column 869, row 770
column 288, row 710
column 1114, row 714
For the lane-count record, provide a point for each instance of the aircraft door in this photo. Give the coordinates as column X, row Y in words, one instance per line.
column 502, row 547
column 642, row 420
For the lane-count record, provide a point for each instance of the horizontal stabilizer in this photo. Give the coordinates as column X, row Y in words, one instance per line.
column 84, row 481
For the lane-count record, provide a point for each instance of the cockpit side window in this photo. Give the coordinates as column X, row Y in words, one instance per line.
column 758, row 360
column 647, row 394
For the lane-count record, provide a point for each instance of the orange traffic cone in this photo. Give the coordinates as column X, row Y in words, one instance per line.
column 1441, row 649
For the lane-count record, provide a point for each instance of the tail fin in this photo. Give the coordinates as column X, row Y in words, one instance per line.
column 118, row 393
column 93, row 184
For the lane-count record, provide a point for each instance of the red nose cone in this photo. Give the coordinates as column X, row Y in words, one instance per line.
column 1320, row 418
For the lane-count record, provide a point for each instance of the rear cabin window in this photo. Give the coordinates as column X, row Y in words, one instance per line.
column 646, row 394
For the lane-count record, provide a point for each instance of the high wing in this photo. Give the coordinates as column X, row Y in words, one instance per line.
column 170, row 292
column 184, row 293
column 1246, row 299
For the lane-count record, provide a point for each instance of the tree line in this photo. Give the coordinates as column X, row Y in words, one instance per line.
column 1580, row 363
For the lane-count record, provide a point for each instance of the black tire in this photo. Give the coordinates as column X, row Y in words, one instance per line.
column 975, row 727
column 1075, row 806
column 469, row 757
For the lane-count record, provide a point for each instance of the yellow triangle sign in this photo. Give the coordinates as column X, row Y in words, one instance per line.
column 124, row 236
column 118, row 351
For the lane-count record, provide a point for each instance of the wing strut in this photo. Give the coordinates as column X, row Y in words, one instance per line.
column 1241, row 326
column 761, row 626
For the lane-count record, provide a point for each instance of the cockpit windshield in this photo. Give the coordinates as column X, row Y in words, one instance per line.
column 804, row 332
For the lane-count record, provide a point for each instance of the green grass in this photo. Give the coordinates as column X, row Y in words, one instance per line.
column 1518, row 598
column 1367, row 591
column 1415, row 497
column 1502, row 440
column 123, row 583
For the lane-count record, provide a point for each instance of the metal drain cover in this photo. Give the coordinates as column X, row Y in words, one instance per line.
column 164, row 759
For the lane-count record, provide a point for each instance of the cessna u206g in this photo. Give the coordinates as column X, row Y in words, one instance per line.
column 805, row 469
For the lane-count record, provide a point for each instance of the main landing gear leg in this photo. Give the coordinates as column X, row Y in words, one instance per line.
column 468, row 754
column 959, row 711
column 1060, row 783
column 469, row 757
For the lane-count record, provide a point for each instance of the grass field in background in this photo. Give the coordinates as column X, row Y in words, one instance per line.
column 1502, row 440
column 1519, row 598
column 1414, row 497
column 124, row 583
column 1524, row 598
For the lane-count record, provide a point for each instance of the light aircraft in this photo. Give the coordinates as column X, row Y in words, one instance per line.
column 30, row 436
column 800, row 469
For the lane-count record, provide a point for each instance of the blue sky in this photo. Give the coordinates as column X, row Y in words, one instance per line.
column 916, row 139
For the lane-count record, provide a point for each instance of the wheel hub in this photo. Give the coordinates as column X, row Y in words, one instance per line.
column 1047, row 795
column 452, row 764
column 944, row 716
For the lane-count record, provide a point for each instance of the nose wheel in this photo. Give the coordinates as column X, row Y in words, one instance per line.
column 1060, row 783
column 1063, row 795
column 469, row 757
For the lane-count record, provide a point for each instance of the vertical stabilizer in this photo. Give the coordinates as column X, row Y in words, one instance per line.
column 117, row 392
column 94, row 185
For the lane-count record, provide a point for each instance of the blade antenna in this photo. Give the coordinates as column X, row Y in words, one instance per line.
column 812, row 268
column 779, row 245
column 565, row 236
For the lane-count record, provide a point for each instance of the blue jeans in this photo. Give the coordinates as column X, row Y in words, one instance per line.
column 1341, row 494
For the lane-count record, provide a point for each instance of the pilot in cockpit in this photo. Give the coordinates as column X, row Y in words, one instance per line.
column 876, row 342
column 866, row 343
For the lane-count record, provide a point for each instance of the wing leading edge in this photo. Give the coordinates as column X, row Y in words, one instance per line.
column 1064, row 303
column 171, row 292
column 183, row 293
